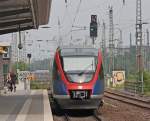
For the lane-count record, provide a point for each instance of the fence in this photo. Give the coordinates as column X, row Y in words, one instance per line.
column 125, row 59
column 134, row 87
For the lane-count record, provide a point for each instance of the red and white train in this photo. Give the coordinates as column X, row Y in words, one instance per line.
column 78, row 78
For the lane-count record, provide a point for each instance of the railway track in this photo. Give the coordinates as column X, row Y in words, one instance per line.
column 127, row 99
column 66, row 116
column 72, row 115
column 96, row 116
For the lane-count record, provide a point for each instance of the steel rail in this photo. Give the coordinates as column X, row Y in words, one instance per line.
column 126, row 95
column 66, row 117
column 127, row 99
column 96, row 117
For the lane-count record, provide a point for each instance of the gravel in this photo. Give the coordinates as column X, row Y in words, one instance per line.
column 113, row 110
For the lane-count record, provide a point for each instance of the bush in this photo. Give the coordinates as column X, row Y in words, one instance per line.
column 146, row 78
column 132, row 77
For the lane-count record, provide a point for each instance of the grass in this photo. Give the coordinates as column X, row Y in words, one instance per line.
column 147, row 93
column 121, row 86
column 146, row 78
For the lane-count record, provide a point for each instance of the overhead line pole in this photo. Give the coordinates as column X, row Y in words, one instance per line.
column 104, row 45
column 147, row 50
column 111, row 40
column 139, row 42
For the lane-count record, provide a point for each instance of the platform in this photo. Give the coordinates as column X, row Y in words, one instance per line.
column 25, row 106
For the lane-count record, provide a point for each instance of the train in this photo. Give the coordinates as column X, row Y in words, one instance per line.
column 78, row 78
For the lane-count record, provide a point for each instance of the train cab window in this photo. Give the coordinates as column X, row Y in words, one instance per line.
column 79, row 69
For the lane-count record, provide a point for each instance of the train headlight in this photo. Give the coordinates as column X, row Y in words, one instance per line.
column 82, row 79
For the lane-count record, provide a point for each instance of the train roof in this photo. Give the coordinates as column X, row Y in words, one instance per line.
column 77, row 51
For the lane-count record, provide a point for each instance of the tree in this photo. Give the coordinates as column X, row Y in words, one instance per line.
column 22, row 66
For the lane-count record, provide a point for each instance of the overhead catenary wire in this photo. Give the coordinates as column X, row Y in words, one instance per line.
column 67, row 13
column 73, row 20
column 77, row 11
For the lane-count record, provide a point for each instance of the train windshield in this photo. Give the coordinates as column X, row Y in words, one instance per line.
column 79, row 69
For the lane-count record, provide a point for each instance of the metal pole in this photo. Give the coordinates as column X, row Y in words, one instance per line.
column 93, row 41
column 130, row 50
column 104, row 46
column 29, row 65
column 111, row 40
column 139, row 41
column 147, row 50
column 142, row 81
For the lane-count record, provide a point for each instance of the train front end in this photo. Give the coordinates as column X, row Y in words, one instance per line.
column 78, row 79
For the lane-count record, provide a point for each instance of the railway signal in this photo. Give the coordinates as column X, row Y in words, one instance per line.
column 124, row 2
column 93, row 26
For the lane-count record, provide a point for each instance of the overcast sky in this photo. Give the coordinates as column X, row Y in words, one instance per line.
column 77, row 13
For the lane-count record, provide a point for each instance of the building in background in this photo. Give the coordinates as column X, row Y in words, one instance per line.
column 5, row 55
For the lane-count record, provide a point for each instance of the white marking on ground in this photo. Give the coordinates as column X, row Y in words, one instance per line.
column 47, row 110
column 24, row 111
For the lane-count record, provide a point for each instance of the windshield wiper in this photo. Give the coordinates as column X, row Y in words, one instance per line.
column 85, row 69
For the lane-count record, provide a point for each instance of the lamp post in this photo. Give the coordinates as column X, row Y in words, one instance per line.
column 39, row 45
column 29, row 57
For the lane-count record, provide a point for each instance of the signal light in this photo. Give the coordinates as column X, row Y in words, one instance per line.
column 29, row 55
column 93, row 26
column 93, row 29
column 93, row 18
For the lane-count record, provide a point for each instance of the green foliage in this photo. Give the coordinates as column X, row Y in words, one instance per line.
column 119, row 86
column 146, row 77
column 132, row 77
column 22, row 66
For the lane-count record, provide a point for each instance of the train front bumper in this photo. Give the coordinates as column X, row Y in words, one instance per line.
column 67, row 103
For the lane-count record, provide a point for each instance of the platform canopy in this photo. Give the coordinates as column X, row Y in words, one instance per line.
column 21, row 15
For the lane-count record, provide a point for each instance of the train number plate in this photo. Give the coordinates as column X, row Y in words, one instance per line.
column 80, row 94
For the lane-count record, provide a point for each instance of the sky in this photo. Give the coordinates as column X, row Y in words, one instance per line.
column 77, row 13
column 70, row 15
